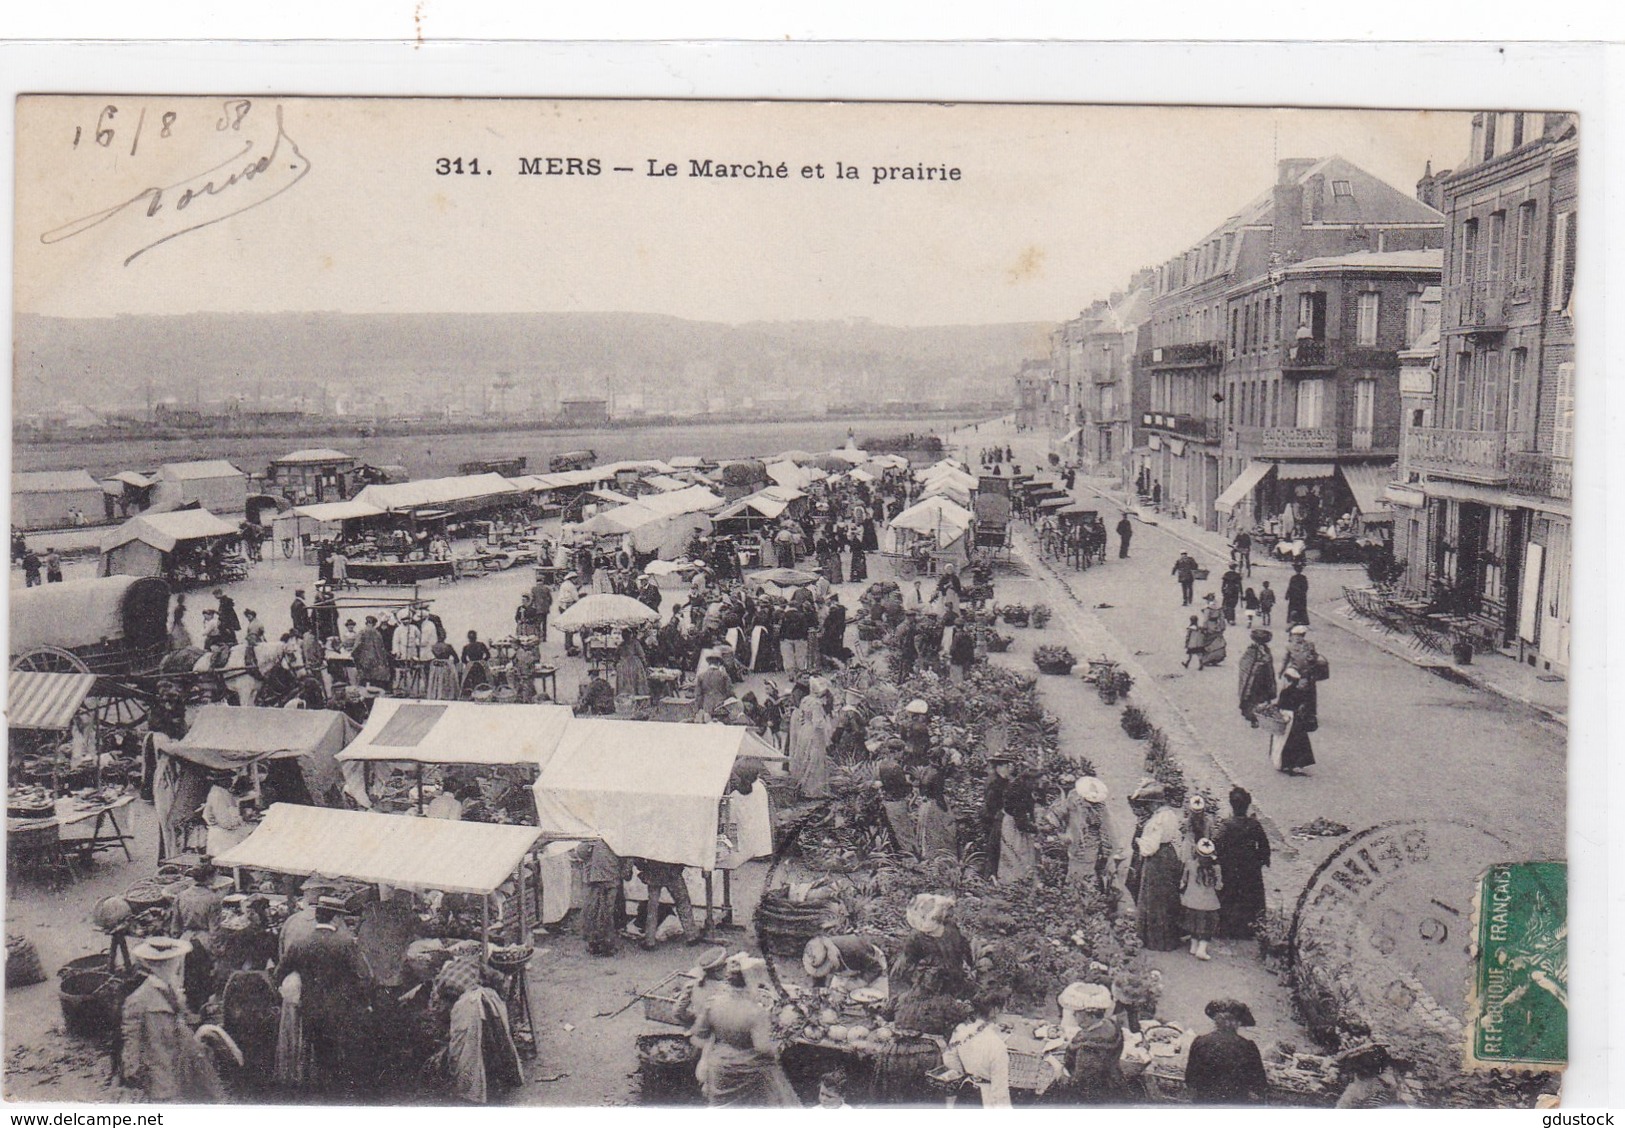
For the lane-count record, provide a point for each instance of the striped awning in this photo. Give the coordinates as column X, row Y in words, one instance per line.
column 45, row 700
column 1303, row 471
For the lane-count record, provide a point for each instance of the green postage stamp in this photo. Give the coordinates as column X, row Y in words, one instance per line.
column 1519, row 996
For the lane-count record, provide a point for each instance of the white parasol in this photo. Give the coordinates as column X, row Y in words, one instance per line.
column 603, row 610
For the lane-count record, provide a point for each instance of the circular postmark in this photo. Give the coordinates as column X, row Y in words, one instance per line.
column 1385, row 924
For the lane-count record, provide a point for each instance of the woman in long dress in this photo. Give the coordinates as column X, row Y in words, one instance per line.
column 1018, row 834
column 810, row 729
column 1081, row 814
column 1295, row 753
column 860, row 556
column 1212, row 623
column 222, row 814
column 445, row 678
column 1160, row 874
column 935, row 967
column 739, row 1060
column 631, row 667
column 939, row 829
column 1244, row 852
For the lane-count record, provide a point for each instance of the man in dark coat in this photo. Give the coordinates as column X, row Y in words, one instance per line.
column 299, row 613
column 1125, row 533
column 334, row 982
column 1230, row 593
column 227, row 610
column 1297, row 597
column 541, row 604
column 1185, row 569
column 1002, row 767
column 1243, row 855
column 1223, row 1067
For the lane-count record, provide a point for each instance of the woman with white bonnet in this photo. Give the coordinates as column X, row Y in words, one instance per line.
column 935, row 965
column 161, row 1056
column 1096, row 1046
column 1082, row 818
column 741, row 1061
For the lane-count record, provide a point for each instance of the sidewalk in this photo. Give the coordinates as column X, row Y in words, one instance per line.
column 1494, row 673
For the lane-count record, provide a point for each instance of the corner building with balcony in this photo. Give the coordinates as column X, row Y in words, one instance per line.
column 1223, row 313
column 1492, row 461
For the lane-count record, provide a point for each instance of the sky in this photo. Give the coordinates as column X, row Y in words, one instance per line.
column 173, row 205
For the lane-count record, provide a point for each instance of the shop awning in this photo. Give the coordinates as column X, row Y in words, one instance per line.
column 1411, row 497
column 398, row 850
column 1238, row 490
column 226, row 737
column 459, row 732
column 1303, row 471
column 36, row 700
column 1368, row 484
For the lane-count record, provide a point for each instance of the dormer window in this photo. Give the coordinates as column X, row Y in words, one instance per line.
column 1342, row 188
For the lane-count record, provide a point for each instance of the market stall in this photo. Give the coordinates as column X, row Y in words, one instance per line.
column 295, row 750
column 417, row 855
column 660, row 791
column 187, row 546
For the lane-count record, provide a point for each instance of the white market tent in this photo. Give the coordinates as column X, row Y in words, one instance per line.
column 138, row 547
column 758, row 504
column 654, row 790
column 407, row 853
column 458, row 732
column 214, row 484
column 45, row 499
column 461, row 493
column 947, row 474
column 937, row 517
column 794, row 477
column 230, row 737
column 890, row 461
column 850, row 453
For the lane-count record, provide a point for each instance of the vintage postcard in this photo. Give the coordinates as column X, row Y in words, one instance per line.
column 580, row 603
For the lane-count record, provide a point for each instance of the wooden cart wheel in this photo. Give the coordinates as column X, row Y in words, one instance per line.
column 51, row 660
column 117, row 708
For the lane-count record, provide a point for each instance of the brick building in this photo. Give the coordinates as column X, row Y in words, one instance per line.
column 1093, row 393
column 1226, row 301
column 1492, row 463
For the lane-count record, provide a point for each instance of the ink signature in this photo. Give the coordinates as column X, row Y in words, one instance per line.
column 170, row 201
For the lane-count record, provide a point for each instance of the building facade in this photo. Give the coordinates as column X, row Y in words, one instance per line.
column 1493, row 462
column 1227, row 307
column 1311, row 410
column 1092, row 391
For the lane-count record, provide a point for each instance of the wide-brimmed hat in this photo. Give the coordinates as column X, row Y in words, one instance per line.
column 928, row 913
column 1149, row 789
column 821, row 957
column 1091, row 790
column 713, row 958
column 918, row 705
column 1261, row 635
column 160, row 949
column 1205, row 847
column 1300, row 629
column 1085, row 996
column 1237, row 1009
column 1291, row 672
column 1196, row 804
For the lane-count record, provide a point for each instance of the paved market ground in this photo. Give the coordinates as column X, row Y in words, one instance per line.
column 1394, row 742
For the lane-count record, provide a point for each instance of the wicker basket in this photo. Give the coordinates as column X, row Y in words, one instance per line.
column 1201, row 573
column 660, row 1002
column 1030, row 1071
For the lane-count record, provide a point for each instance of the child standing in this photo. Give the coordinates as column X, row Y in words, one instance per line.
column 1249, row 603
column 1199, row 894
column 1266, row 603
column 1195, row 643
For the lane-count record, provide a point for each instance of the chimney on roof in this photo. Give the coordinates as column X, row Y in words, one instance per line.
column 1286, row 217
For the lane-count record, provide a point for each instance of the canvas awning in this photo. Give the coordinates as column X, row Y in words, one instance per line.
column 41, row 700
column 227, row 737
column 1238, row 490
column 458, row 732
column 651, row 789
column 408, row 853
column 936, row 515
column 1368, row 484
column 1303, row 471
column 465, row 488
column 163, row 531
column 331, row 511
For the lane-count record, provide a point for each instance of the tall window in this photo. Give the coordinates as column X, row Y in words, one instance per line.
column 1563, row 422
column 1489, row 136
column 1526, row 238
column 1517, row 393
column 1468, row 259
column 1498, row 227
column 1413, row 318
column 1306, row 309
column 1464, row 379
column 1234, row 321
column 1265, row 330
column 1489, row 392
column 1562, row 259
column 1311, row 399
column 1279, row 306
column 1365, row 410
column 1366, row 332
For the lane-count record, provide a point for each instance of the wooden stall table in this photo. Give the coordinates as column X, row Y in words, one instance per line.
column 402, row 573
column 547, row 681
column 105, row 831
column 664, row 682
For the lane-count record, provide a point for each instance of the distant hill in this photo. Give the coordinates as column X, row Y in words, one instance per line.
column 403, row 362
